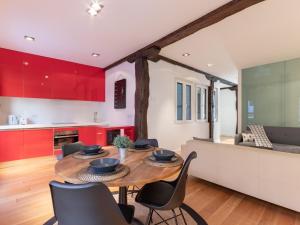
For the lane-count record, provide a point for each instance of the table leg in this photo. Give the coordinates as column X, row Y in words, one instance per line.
column 123, row 195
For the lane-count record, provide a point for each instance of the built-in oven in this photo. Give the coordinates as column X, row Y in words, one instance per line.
column 62, row 137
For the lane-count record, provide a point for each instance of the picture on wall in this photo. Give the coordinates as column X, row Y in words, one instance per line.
column 120, row 94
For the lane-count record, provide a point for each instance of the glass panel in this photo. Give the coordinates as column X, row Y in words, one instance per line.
column 203, row 106
column 262, row 97
column 179, row 101
column 188, row 102
column 199, row 103
column 215, row 105
column 292, row 93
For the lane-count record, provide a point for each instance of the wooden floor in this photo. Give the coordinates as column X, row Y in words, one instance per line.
column 25, row 199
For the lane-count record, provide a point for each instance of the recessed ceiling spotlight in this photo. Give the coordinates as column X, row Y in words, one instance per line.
column 28, row 38
column 210, row 64
column 95, row 54
column 94, row 8
column 186, row 54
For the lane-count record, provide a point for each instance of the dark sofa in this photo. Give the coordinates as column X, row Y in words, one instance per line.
column 285, row 139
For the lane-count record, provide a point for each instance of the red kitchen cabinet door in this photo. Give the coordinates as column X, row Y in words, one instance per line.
column 87, row 135
column 11, row 145
column 63, row 80
column 101, row 137
column 90, row 83
column 129, row 131
column 11, row 76
column 97, row 86
column 37, row 77
column 38, row 143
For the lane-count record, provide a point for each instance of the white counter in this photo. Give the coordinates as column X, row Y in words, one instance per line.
column 50, row 125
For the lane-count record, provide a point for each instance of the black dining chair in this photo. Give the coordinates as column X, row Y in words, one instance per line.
column 164, row 195
column 152, row 142
column 87, row 204
column 69, row 149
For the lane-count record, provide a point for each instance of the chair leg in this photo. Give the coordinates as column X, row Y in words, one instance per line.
column 182, row 216
column 175, row 216
column 149, row 218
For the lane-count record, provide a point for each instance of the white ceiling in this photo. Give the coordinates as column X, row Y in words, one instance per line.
column 64, row 30
column 264, row 33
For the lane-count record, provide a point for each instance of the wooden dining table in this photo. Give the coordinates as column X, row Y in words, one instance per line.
column 140, row 172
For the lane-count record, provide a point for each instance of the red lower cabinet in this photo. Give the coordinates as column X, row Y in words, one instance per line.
column 129, row 131
column 11, row 145
column 37, row 143
column 87, row 135
column 101, row 137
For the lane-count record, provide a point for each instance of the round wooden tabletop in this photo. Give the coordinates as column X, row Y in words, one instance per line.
column 140, row 172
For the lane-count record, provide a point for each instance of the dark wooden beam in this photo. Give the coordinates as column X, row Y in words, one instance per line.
column 209, row 19
column 141, row 97
column 150, row 53
column 210, row 109
column 207, row 75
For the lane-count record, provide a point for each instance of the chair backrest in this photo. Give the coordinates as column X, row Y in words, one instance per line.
column 68, row 149
column 180, row 184
column 85, row 204
column 152, row 142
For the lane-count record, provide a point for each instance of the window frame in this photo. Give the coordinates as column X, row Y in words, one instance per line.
column 194, row 86
column 202, row 87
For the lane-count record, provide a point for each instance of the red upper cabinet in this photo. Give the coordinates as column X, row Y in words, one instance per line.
column 11, row 76
column 11, row 145
column 90, row 83
column 37, row 143
column 32, row 76
column 37, row 77
column 64, row 78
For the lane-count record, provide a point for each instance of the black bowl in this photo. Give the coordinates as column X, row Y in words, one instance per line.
column 104, row 165
column 163, row 155
column 91, row 149
column 140, row 144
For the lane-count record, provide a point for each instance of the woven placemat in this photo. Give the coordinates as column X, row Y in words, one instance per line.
column 150, row 160
column 142, row 150
column 77, row 155
column 88, row 176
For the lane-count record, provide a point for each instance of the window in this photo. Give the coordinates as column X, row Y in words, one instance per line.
column 201, row 98
column 179, row 110
column 191, row 101
column 188, row 95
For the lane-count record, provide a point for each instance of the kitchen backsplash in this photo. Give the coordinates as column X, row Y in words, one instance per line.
column 48, row 110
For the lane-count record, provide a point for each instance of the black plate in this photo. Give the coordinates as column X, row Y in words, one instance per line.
column 93, row 153
column 163, row 155
column 91, row 149
column 104, row 165
column 173, row 159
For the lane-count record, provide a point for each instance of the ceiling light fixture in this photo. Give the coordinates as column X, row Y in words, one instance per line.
column 95, row 54
column 210, row 65
column 186, row 54
column 28, row 38
column 94, row 8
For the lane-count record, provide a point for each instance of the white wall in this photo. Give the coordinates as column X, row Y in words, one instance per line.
column 228, row 112
column 119, row 116
column 162, row 106
column 48, row 111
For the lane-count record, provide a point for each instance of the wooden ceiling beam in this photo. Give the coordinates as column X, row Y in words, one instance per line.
column 207, row 20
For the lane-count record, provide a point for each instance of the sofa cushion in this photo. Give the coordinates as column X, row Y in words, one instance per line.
column 286, row 148
column 283, row 135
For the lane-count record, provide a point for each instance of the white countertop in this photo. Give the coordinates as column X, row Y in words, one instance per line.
column 51, row 125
